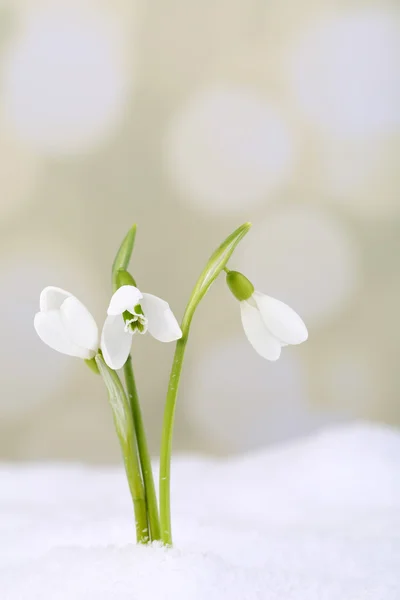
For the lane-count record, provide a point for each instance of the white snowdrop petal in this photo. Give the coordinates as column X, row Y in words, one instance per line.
column 162, row 324
column 125, row 298
column 281, row 320
column 51, row 330
column 115, row 342
column 52, row 297
column 79, row 323
column 258, row 335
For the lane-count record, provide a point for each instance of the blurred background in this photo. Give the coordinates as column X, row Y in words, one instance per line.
column 190, row 118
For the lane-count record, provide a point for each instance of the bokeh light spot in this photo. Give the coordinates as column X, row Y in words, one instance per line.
column 344, row 73
column 64, row 78
column 228, row 149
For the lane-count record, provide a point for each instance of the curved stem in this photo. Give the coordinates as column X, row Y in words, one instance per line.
column 144, row 455
column 213, row 268
column 123, row 422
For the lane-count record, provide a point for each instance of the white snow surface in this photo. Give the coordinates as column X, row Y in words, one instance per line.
column 315, row 519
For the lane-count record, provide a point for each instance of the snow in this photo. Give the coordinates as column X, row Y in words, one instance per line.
column 316, row 519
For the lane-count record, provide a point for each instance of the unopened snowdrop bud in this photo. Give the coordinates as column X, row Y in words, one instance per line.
column 269, row 324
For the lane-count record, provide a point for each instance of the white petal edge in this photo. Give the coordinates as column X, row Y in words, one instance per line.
column 258, row 335
column 51, row 330
column 115, row 342
column 281, row 320
column 79, row 323
column 125, row 298
column 52, row 297
column 162, row 324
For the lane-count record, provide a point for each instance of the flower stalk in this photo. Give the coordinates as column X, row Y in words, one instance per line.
column 144, row 455
column 125, row 429
column 213, row 268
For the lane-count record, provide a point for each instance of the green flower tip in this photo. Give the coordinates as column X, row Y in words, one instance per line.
column 123, row 277
column 124, row 254
column 243, row 229
column 239, row 285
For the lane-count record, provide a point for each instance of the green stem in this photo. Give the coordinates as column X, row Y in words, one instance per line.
column 166, row 442
column 213, row 268
column 124, row 426
column 144, row 455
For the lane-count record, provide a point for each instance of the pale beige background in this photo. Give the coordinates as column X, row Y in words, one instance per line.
column 189, row 118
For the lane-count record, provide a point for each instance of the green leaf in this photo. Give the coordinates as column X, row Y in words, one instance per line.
column 119, row 403
column 123, row 256
column 213, row 268
column 123, row 422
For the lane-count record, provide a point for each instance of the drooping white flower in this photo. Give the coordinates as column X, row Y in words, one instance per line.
column 269, row 324
column 65, row 324
column 130, row 312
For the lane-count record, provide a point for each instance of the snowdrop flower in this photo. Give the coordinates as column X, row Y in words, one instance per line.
column 66, row 325
column 130, row 312
column 268, row 323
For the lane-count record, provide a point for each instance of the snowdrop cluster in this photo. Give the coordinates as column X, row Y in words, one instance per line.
column 66, row 325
